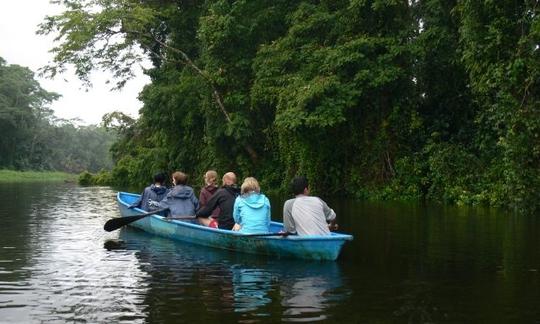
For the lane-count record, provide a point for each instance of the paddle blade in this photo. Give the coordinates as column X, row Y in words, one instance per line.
column 116, row 223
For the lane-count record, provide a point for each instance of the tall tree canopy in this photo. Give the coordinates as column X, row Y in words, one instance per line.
column 378, row 98
column 31, row 137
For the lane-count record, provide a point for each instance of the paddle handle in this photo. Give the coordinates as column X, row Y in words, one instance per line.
column 284, row 234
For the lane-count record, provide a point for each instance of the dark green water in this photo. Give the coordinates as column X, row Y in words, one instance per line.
column 408, row 263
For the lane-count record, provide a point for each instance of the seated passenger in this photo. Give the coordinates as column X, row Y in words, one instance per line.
column 224, row 200
column 209, row 189
column 306, row 215
column 154, row 192
column 251, row 209
column 180, row 200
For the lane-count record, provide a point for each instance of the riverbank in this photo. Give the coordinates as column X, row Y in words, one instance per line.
column 42, row 176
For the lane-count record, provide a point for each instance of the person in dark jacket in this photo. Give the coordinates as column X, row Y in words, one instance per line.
column 224, row 199
column 155, row 192
column 180, row 200
column 209, row 189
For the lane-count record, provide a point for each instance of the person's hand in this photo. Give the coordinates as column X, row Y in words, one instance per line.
column 333, row 226
column 153, row 203
column 237, row 227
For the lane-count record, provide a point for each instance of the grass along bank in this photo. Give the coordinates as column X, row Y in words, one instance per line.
column 28, row 176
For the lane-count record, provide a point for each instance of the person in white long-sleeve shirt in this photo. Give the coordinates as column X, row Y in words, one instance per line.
column 305, row 214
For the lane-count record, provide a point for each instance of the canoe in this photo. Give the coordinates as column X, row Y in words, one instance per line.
column 304, row 247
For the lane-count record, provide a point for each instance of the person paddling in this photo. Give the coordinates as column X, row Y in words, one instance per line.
column 155, row 192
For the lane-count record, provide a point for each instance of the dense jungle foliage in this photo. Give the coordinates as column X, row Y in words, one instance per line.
column 369, row 98
column 32, row 138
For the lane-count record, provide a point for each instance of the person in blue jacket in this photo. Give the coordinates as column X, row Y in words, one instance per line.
column 251, row 210
column 155, row 192
column 180, row 200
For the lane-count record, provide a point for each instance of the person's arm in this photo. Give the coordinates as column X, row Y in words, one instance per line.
column 195, row 201
column 213, row 202
column 137, row 203
column 236, row 215
column 330, row 216
column 236, row 211
column 288, row 221
column 164, row 203
column 269, row 214
column 203, row 198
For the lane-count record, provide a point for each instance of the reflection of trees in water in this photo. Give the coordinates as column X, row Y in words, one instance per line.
column 416, row 304
column 441, row 264
column 202, row 284
column 184, row 284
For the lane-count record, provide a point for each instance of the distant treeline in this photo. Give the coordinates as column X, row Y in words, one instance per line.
column 32, row 138
column 382, row 99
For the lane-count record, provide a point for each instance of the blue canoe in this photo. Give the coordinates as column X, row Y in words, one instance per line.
column 304, row 247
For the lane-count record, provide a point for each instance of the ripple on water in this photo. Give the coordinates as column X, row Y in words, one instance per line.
column 57, row 271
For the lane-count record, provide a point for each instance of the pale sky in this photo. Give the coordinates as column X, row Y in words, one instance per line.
column 20, row 45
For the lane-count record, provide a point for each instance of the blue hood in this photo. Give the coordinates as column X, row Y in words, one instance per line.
column 158, row 190
column 254, row 200
column 181, row 192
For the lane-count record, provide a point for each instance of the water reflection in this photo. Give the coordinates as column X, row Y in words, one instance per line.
column 241, row 287
column 250, row 288
column 307, row 291
column 56, row 269
column 441, row 264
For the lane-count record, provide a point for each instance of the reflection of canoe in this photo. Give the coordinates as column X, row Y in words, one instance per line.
column 304, row 247
column 225, row 282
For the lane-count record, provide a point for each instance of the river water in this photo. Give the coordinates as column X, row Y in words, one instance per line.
column 407, row 263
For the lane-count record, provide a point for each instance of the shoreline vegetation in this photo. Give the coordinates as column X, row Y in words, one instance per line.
column 378, row 100
column 12, row 176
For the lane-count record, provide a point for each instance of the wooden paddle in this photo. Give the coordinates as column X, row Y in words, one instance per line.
column 116, row 223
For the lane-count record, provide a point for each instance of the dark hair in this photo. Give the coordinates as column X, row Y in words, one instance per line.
column 159, row 177
column 298, row 184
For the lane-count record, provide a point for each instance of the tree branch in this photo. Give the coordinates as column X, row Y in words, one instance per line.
column 186, row 60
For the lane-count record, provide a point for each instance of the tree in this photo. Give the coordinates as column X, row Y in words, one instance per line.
column 104, row 34
column 373, row 98
column 500, row 51
column 23, row 107
column 31, row 137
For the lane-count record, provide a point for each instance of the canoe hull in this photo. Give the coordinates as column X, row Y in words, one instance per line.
column 312, row 247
